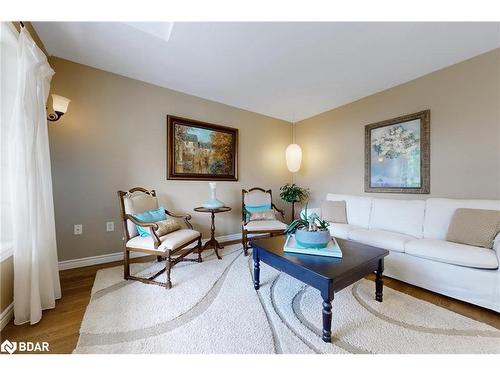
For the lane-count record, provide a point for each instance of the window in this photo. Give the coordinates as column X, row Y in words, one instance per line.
column 8, row 77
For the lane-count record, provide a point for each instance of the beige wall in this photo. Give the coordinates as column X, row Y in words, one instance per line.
column 114, row 137
column 464, row 100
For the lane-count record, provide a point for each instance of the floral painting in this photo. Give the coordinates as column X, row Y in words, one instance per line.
column 397, row 155
column 201, row 150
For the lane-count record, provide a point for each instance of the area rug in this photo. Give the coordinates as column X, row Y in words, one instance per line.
column 213, row 308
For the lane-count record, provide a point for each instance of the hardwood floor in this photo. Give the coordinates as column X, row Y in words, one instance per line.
column 60, row 326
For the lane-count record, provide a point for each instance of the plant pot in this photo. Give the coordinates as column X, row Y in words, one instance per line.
column 312, row 240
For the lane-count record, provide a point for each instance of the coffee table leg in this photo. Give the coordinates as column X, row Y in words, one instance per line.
column 379, row 282
column 327, row 315
column 327, row 321
column 256, row 269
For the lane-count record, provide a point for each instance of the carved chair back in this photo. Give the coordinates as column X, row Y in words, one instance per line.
column 133, row 201
column 255, row 196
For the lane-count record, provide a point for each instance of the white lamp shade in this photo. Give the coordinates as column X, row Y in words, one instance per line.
column 60, row 103
column 293, row 157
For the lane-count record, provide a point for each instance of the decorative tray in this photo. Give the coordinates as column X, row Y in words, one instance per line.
column 331, row 250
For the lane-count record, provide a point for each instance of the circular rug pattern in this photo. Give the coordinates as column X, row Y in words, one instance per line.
column 213, row 308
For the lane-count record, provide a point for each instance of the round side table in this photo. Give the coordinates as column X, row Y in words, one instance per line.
column 212, row 242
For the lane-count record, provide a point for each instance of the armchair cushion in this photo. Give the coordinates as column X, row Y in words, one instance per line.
column 251, row 209
column 263, row 225
column 169, row 241
column 149, row 216
column 167, row 226
column 269, row 214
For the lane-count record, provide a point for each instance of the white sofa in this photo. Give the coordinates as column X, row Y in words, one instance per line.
column 414, row 231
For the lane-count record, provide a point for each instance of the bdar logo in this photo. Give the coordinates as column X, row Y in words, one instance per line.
column 8, row 347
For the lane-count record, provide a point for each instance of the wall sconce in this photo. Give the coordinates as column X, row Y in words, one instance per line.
column 60, row 105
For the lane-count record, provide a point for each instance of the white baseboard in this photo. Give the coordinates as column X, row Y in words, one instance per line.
column 113, row 257
column 98, row 259
column 6, row 316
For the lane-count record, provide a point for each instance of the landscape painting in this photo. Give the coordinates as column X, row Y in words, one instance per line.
column 397, row 155
column 200, row 151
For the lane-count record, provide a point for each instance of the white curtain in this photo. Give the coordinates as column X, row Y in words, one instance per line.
column 36, row 276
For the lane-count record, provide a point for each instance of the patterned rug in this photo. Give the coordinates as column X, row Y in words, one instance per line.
column 213, row 308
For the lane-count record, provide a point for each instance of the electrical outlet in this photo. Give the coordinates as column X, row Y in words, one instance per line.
column 110, row 226
column 78, row 229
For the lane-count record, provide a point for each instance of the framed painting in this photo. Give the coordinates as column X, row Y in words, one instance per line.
column 201, row 151
column 397, row 155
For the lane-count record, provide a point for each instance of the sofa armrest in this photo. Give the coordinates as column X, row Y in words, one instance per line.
column 316, row 210
column 496, row 245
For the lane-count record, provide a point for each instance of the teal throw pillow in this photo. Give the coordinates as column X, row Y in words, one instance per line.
column 149, row 216
column 256, row 209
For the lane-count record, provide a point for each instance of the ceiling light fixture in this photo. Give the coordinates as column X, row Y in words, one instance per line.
column 293, row 154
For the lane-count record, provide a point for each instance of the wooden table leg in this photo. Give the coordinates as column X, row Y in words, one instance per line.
column 256, row 269
column 327, row 316
column 379, row 282
column 212, row 242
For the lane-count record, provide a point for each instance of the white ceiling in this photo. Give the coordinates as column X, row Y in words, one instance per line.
column 285, row 70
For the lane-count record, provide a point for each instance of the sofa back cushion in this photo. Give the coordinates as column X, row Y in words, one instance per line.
column 334, row 211
column 439, row 211
column 397, row 215
column 358, row 208
column 474, row 227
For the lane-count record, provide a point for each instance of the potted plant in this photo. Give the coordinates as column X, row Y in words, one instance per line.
column 292, row 193
column 310, row 231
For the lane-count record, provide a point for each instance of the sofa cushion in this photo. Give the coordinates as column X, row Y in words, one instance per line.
column 474, row 227
column 334, row 211
column 358, row 208
column 265, row 225
column 396, row 215
column 170, row 241
column 381, row 238
column 439, row 211
column 342, row 230
column 453, row 253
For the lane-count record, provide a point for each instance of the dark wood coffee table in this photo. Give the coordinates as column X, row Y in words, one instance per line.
column 328, row 275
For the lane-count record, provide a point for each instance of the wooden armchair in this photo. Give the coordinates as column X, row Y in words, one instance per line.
column 172, row 247
column 258, row 197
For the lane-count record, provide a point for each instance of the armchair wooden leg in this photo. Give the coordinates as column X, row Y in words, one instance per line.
column 126, row 264
column 168, row 268
column 244, row 240
column 199, row 250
